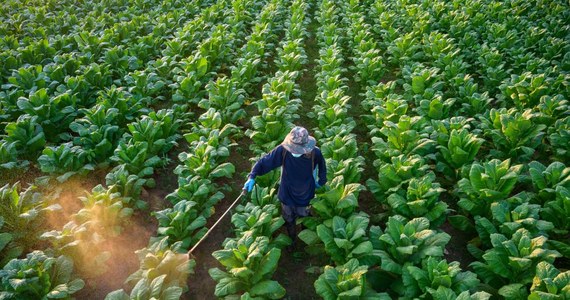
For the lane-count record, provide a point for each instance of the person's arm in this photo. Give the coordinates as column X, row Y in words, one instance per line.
column 322, row 168
column 267, row 163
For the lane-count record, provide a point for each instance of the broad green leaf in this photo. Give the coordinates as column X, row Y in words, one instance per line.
column 268, row 288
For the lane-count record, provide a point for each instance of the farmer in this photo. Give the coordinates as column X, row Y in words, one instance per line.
column 299, row 159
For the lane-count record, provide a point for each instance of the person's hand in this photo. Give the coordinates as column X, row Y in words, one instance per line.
column 248, row 186
column 317, row 185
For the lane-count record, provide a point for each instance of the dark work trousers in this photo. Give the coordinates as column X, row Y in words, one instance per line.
column 290, row 214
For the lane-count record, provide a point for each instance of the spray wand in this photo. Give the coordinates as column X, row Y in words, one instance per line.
column 243, row 192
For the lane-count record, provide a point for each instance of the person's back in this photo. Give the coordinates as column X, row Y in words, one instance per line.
column 299, row 158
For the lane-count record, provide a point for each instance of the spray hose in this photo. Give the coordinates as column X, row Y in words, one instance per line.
column 243, row 192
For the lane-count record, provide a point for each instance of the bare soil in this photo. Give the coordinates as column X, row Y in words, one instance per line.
column 292, row 273
column 456, row 249
column 308, row 81
column 200, row 284
column 122, row 262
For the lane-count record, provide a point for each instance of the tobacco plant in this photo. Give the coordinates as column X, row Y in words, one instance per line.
column 347, row 281
column 128, row 108
column 511, row 216
column 225, row 96
column 135, row 159
column 559, row 138
column 104, row 211
column 421, row 83
column 402, row 244
column 250, row 263
column 204, row 161
column 82, row 243
column 9, row 157
column 557, row 211
column 406, row 242
column 436, row 276
column 65, row 161
column 420, row 200
column 547, row 179
column 27, row 135
column 394, row 175
column 472, row 100
column 98, row 133
column 157, row 130
column 343, row 239
column 340, row 147
column 39, row 276
column 514, row 134
column 181, row 223
column 461, row 149
column 163, row 272
column 261, row 221
column 148, row 289
column 508, row 216
column 487, row 183
column 525, row 90
column 552, row 108
column 21, row 212
column 402, row 138
column 339, row 200
column 53, row 114
column 129, row 186
column 349, row 169
column 199, row 190
column 511, row 264
column 384, row 108
column 549, row 283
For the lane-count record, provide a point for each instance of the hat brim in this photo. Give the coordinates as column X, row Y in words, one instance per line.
column 299, row 149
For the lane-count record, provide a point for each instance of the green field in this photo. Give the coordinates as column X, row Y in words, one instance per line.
column 128, row 127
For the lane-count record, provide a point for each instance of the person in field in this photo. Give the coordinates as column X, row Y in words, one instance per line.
column 299, row 159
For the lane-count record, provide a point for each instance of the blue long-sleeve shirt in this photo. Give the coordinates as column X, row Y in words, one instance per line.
column 297, row 186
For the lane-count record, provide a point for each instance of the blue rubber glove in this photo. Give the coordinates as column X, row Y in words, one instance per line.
column 317, row 185
column 248, row 186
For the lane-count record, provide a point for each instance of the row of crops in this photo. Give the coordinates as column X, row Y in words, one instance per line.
column 465, row 102
column 118, row 130
column 209, row 141
column 251, row 257
column 474, row 113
